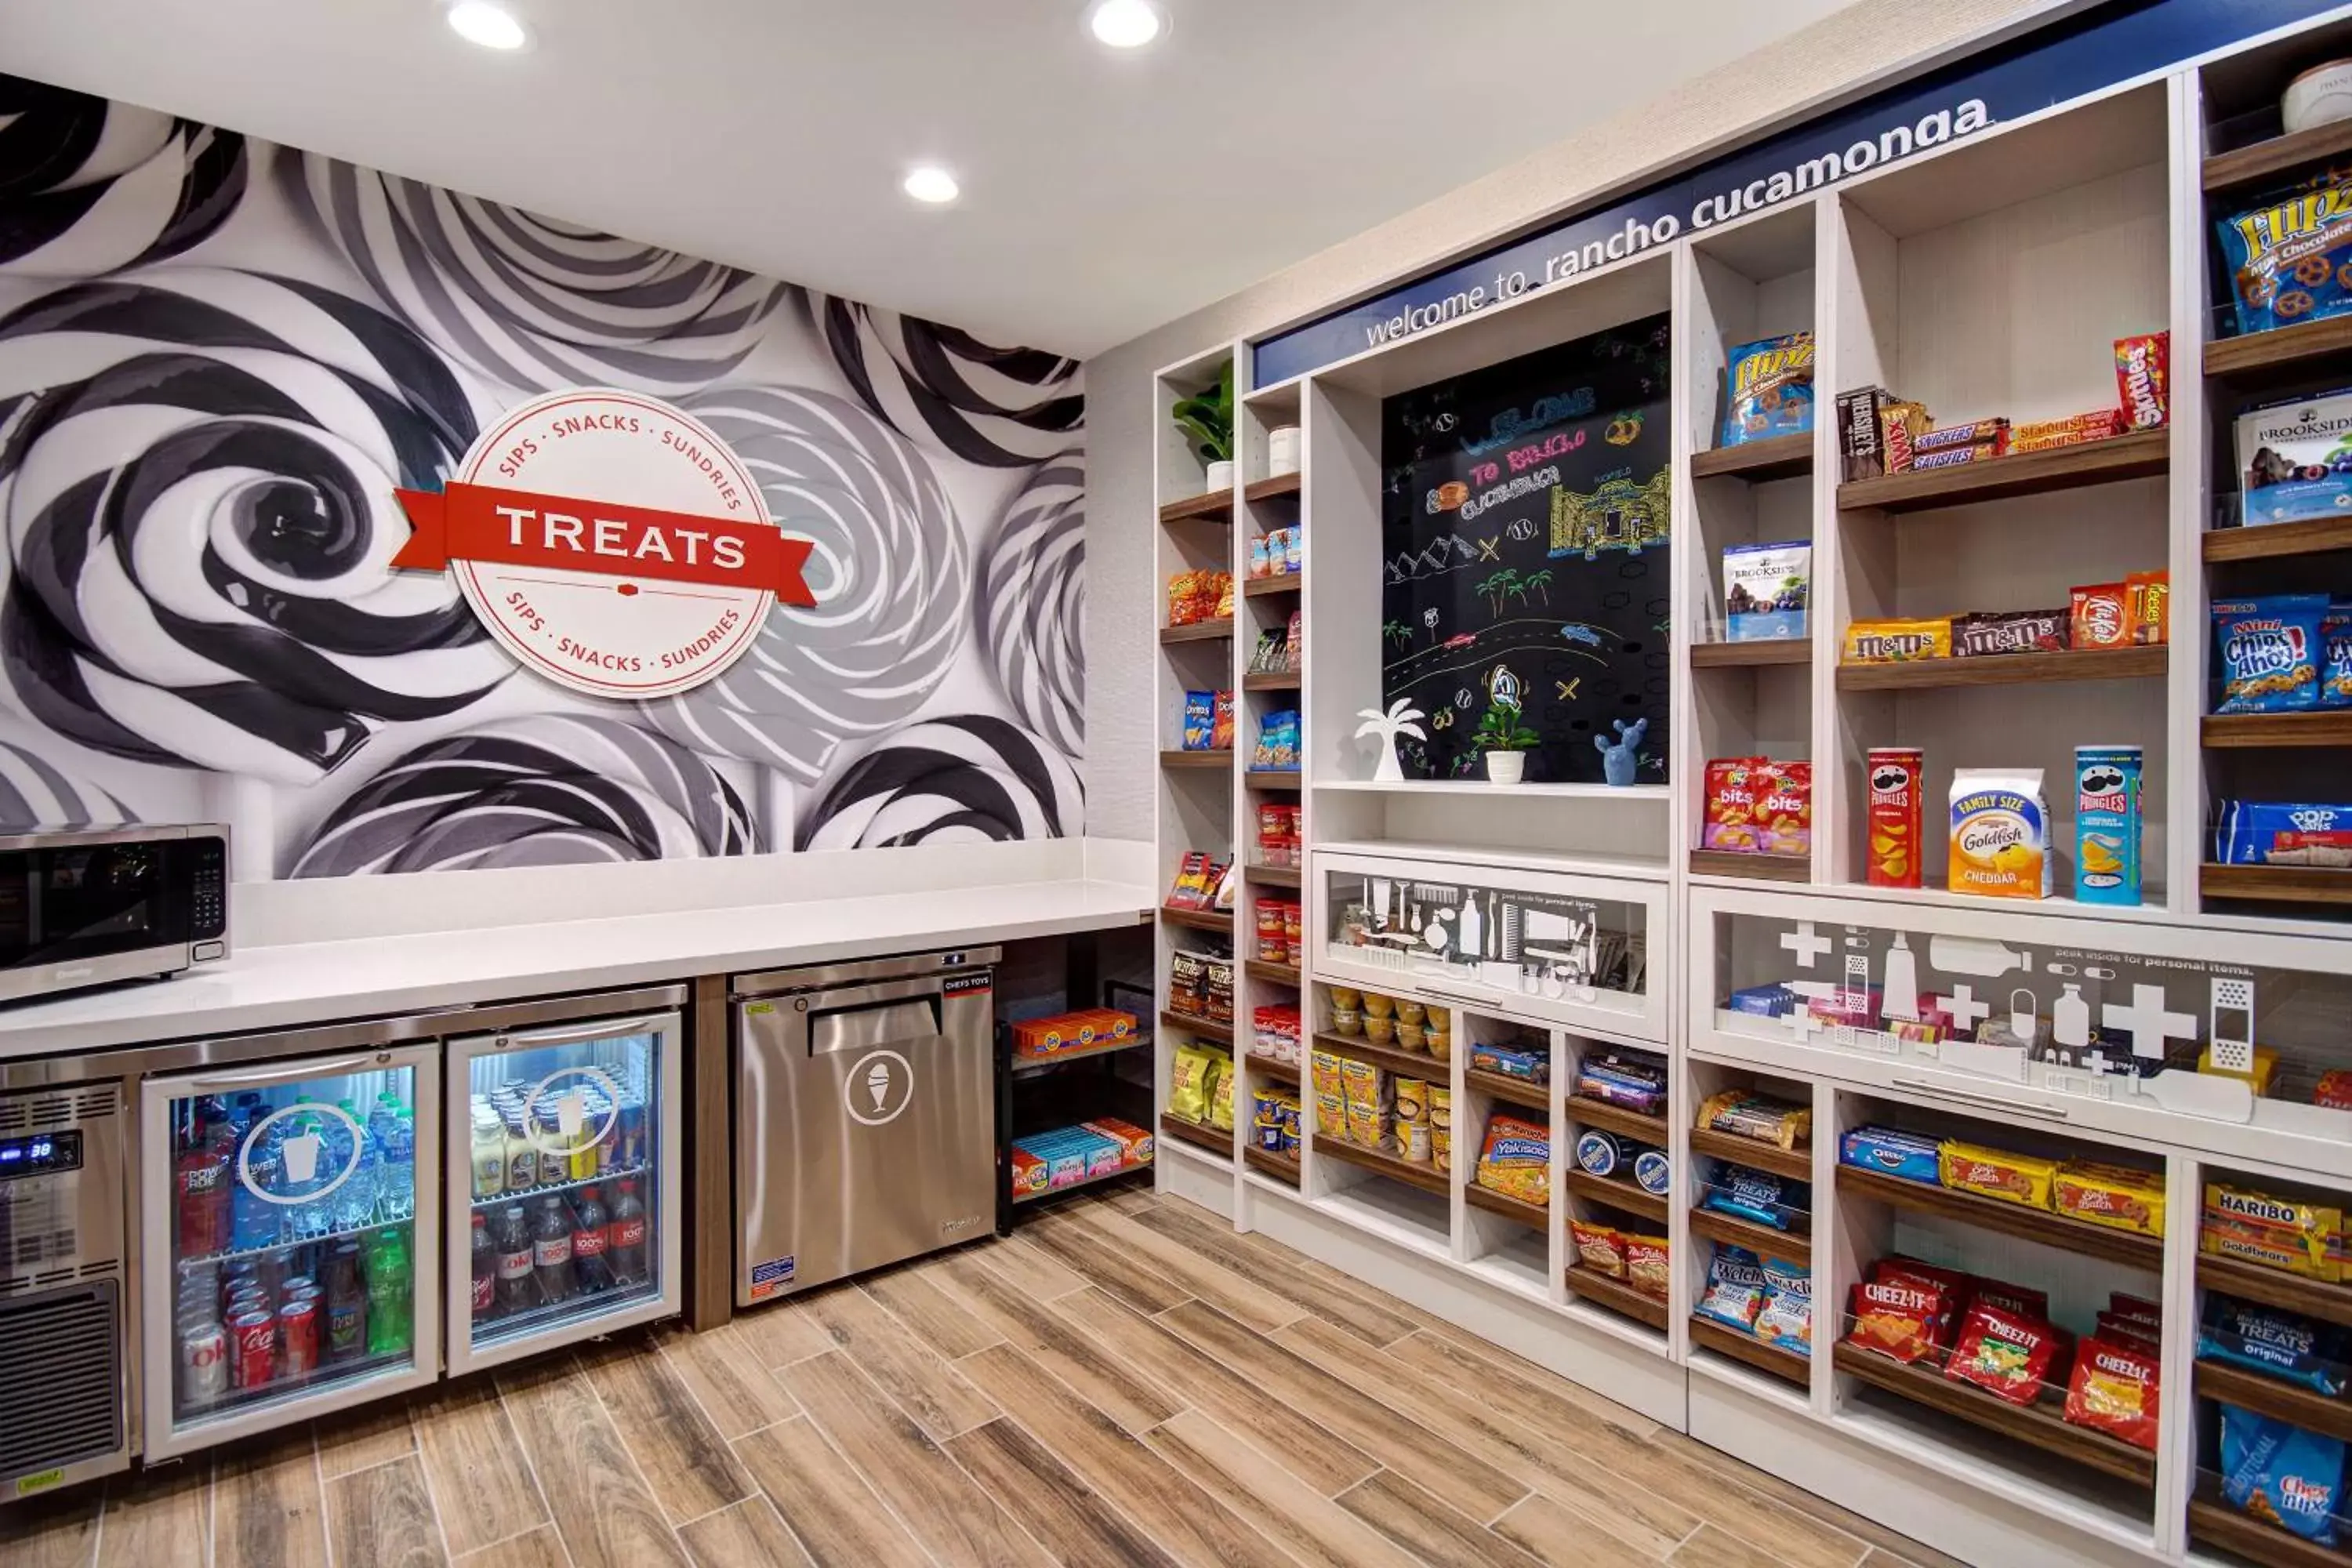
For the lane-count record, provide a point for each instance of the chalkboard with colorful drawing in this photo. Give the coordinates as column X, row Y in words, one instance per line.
column 1525, row 532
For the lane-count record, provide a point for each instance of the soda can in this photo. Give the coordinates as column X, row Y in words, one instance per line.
column 311, row 1293
column 297, row 1325
column 236, row 1274
column 252, row 1298
column 204, row 1363
column 253, row 1349
column 293, row 1285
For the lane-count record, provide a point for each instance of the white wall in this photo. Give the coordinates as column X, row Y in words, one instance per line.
column 1721, row 109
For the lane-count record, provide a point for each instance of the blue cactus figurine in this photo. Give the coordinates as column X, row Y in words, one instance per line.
column 1617, row 761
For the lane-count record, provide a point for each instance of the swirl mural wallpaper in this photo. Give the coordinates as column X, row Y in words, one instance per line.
column 219, row 358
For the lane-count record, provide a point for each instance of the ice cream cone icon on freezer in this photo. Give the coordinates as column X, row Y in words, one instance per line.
column 877, row 1084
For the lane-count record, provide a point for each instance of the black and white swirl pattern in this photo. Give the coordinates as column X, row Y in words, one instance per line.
column 528, row 300
column 89, row 188
column 960, row 779
column 1033, row 601
column 889, row 573
column 545, row 790
column 1006, row 409
column 196, row 476
column 36, row 793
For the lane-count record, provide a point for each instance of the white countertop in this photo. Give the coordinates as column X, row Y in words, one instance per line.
column 286, row 987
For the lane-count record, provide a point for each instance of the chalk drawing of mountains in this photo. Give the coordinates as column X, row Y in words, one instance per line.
column 1446, row 554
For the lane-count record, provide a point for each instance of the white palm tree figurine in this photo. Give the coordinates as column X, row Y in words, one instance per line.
column 1398, row 720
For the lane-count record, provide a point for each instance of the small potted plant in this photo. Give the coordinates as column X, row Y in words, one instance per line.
column 1505, row 742
column 1208, row 420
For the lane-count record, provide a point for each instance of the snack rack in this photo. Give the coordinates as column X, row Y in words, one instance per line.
column 1990, row 275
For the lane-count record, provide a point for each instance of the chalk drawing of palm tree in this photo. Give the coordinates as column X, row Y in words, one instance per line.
column 1397, row 632
column 1540, row 582
column 1495, row 586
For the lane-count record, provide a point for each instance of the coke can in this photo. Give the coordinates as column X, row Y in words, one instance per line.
column 204, row 1363
column 297, row 1325
column 253, row 1349
column 293, row 1285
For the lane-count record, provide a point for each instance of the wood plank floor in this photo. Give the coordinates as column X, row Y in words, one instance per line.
column 1127, row 1382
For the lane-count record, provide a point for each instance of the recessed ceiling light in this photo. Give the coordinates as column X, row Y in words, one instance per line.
column 930, row 183
column 492, row 26
column 1125, row 23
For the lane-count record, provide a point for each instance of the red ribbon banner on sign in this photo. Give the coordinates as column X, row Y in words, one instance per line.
column 521, row 528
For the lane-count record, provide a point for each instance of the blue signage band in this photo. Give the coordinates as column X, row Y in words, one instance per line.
column 2053, row 66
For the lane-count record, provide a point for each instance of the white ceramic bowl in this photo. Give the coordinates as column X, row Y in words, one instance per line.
column 2320, row 96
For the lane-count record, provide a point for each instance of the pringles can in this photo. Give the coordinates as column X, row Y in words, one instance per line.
column 1897, row 815
column 2107, row 825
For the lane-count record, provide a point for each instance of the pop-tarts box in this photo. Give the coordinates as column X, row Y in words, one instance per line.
column 2107, row 825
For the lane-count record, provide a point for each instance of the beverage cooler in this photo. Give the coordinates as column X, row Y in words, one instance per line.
column 331, row 1216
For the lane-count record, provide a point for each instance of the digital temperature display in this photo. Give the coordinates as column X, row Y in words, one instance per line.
column 42, row 1154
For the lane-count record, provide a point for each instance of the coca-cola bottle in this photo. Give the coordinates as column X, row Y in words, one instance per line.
column 199, row 1179
column 590, row 1266
column 485, row 1271
column 517, row 1291
column 624, row 1236
column 550, row 1249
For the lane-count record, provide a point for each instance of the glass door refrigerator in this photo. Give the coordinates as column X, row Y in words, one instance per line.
column 288, row 1243
column 564, row 1181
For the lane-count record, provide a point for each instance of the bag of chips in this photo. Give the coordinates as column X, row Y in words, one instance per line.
column 2007, row 1355
column 1897, row 1318
column 2270, row 651
column 2281, row 1474
column 2115, row 1390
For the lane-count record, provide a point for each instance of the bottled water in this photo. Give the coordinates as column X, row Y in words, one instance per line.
column 354, row 1203
column 396, row 1180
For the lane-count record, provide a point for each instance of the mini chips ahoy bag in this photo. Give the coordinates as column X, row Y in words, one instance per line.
column 2270, row 650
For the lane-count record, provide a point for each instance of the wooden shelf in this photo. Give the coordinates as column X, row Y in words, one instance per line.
column 2252, row 354
column 1221, row 758
column 1797, row 1164
column 1280, row 974
column 1219, row 1033
column 2313, row 536
column 1220, row 630
column 1750, row 654
column 1778, row 458
column 2281, row 884
column 2006, row 669
column 2141, row 454
column 1756, row 868
column 1535, row 1216
column 1273, row 778
column 1587, row 1112
column 1788, row 1246
column 1617, row 1192
column 1267, row 1067
column 2290, row 1403
column 1515, row 1090
column 2128, row 1247
column 1215, row 504
column 2276, row 156
column 1279, row 485
column 1283, row 1168
column 1271, row 681
column 2275, row 1287
column 1785, row 1364
column 1184, row 1129
column 1268, row 586
column 2316, row 728
column 1616, row 1294
column 2212, row 1523
column 1023, row 1066
column 1388, row 1058
column 2036, row 1425
column 1218, row 921
column 1272, row 876
column 1428, row 1178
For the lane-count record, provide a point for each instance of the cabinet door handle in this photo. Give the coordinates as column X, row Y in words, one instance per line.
column 281, row 1072
column 572, row 1034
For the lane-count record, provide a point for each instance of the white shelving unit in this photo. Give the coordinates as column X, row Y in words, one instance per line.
column 1987, row 277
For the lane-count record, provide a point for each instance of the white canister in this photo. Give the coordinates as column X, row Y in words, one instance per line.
column 1220, row 477
column 2320, row 96
column 1282, row 449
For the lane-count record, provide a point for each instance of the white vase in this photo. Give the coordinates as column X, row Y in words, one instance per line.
column 1282, row 449
column 1506, row 767
column 1220, row 477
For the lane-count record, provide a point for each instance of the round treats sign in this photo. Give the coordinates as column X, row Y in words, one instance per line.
column 610, row 542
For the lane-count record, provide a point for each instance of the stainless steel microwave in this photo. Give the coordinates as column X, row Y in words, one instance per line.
column 92, row 906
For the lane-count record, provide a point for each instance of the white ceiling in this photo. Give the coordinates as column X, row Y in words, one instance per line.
column 1104, row 194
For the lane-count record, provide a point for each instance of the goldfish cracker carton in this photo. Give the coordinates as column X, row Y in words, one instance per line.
column 2000, row 834
column 2107, row 825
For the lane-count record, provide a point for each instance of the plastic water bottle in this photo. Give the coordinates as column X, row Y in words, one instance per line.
column 396, row 1176
column 254, row 1220
column 354, row 1203
column 312, row 1214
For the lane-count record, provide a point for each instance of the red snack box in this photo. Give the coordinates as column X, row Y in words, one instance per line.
column 2102, row 616
column 1898, row 793
column 2148, row 601
column 2333, row 1090
column 2144, row 376
column 1900, row 424
column 2115, row 1390
column 2007, row 1355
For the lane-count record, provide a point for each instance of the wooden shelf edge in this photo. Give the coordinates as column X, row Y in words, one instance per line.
column 2037, row 1426
column 2138, row 454
column 1289, row 779
column 2313, row 536
column 1281, row 1167
column 1785, row 1364
column 1760, row 1239
column 2275, row 1287
column 1219, row 921
column 2212, row 1523
column 2006, row 669
column 2274, row 1396
column 1533, row 1216
column 1221, row 759
column 1650, row 1129
column 1795, row 1163
column 1272, row 876
column 2278, row 156
column 1219, row 630
column 1270, row 682
column 1756, row 868
column 1615, row 1295
column 1624, row 1196
column 2127, row 1247
column 1216, row 1034
column 1272, row 583
column 1388, row 1058
column 1775, row 457
column 1279, row 974
column 1425, row 1178
column 1217, row 504
column 1186, row 1131
column 1288, row 484
column 1511, row 1090
column 1748, row 654
column 2280, row 348
column 2319, row 728
column 2279, row 884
